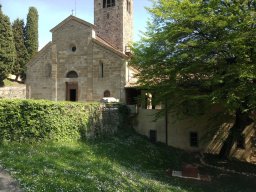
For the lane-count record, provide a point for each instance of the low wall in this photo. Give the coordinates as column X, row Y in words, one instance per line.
column 178, row 128
column 41, row 120
column 211, row 133
column 146, row 121
column 13, row 92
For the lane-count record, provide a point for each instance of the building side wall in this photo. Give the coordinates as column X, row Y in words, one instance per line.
column 38, row 79
column 146, row 121
column 113, row 78
column 179, row 127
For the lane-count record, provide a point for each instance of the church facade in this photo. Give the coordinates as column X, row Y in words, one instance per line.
column 84, row 61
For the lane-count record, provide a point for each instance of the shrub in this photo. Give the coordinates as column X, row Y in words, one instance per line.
column 38, row 120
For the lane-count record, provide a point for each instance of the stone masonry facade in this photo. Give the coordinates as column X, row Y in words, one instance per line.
column 115, row 23
column 47, row 73
column 84, row 62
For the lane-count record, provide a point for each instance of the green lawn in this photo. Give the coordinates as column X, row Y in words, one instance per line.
column 11, row 83
column 126, row 162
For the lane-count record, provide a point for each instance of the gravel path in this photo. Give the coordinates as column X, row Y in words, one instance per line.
column 7, row 183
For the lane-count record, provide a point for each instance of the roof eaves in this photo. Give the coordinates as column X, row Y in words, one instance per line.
column 39, row 53
column 111, row 48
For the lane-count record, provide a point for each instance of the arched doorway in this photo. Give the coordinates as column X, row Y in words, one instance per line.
column 72, row 86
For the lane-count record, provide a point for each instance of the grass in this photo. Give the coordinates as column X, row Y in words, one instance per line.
column 126, row 162
column 12, row 83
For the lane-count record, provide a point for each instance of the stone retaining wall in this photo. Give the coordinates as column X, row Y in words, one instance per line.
column 13, row 92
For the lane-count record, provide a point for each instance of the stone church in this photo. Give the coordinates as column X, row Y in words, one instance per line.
column 84, row 61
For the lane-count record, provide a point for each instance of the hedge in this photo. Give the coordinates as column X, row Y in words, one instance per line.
column 39, row 120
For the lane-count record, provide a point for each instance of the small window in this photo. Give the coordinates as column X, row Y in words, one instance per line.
column 106, row 93
column 128, row 6
column 101, row 70
column 72, row 74
column 73, row 48
column 108, row 3
column 152, row 136
column 193, row 139
column 240, row 144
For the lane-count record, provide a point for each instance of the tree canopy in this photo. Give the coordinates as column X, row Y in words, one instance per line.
column 22, row 54
column 31, row 32
column 7, row 48
column 201, row 50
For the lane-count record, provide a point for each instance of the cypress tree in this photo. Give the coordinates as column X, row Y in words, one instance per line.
column 22, row 54
column 31, row 32
column 7, row 48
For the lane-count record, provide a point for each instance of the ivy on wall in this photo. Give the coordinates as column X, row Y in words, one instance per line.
column 40, row 120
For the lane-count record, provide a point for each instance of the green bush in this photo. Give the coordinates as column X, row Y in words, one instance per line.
column 39, row 120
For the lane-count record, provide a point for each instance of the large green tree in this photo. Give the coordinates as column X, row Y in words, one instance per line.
column 31, row 32
column 7, row 48
column 202, row 51
column 22, row 54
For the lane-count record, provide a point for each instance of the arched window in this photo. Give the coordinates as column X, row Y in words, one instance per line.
column 107, row 93
column 72, row 74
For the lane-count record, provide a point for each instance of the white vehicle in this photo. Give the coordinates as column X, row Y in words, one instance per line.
column 109, row 100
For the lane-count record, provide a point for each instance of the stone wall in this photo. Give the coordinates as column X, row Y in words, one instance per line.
column 114, row 24
column 74, row 33
column 39, row 75
column 106, row 121
column 47, row 74
column 13, row 92
column 113, row 78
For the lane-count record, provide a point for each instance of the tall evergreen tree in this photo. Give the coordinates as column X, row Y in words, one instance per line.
column 7, row 48
column 202, row 51
column 31, row 32
column 22, row 54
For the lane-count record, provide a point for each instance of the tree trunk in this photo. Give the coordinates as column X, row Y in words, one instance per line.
column 241, row 121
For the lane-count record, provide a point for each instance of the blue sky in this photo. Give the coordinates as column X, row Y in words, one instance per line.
column 52, row 12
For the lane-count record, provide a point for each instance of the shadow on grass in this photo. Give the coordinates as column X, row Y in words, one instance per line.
column 126, row 162
column 135, row 151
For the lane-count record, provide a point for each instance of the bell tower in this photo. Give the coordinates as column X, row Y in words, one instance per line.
column 114, row 21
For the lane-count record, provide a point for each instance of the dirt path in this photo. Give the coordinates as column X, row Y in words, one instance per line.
column 7, row 183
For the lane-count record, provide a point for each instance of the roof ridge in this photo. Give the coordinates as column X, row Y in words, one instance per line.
column 70, row 18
